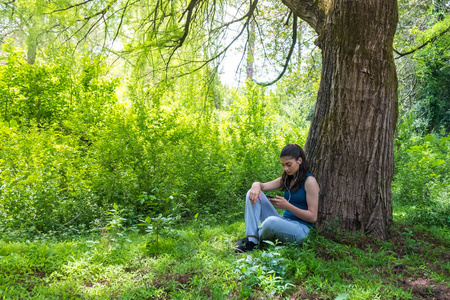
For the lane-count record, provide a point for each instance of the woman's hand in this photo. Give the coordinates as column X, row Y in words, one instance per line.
column 258, row 187
column 255, row 192
column 279, row 202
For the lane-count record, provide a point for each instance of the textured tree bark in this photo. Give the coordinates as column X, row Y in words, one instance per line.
column 350, row 142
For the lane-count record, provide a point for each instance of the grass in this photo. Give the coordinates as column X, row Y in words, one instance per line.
column 196, row 262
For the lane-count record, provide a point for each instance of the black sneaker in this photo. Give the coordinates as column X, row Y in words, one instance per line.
column 244, row 245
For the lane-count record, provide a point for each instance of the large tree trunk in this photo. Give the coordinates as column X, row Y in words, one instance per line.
column 350, row 142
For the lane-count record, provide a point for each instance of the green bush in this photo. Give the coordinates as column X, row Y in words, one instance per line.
column 422, row 177
column 149, row 157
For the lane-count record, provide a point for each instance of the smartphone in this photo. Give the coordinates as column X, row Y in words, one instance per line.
column 270, row 196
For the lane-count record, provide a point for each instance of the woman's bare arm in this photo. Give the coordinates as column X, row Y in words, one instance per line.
column 257, row 187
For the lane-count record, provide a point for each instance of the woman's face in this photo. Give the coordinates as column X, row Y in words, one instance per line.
column 290, row 164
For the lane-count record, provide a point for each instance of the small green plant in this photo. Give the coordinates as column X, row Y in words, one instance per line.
column 115, row 230
column 158, row 226
column 267, row 269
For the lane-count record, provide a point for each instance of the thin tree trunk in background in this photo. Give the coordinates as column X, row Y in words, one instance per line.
column 31, row 46
column 251, row 50
column 299, row 44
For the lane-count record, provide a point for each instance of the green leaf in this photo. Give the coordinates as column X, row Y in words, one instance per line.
column 438, row 162
column 341, row 297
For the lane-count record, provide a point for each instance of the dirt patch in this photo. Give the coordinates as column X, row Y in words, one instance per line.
column 180, row 280
column 357, row 241
column 426, row 289
column 91, row 284
column 302, row 294
column 39, row 274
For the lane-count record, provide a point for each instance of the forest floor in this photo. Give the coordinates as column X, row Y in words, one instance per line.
column 411, row 241
column 196, row 261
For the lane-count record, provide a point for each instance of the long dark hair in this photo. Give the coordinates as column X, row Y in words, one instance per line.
column 294, row 151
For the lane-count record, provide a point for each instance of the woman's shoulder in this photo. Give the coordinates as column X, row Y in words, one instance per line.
column 311, row 181
column 310, row 177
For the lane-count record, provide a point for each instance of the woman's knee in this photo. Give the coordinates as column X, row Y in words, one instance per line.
column 269, row 227
column 247, row 197
column 271, row 222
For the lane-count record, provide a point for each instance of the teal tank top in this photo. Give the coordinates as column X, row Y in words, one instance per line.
column 298, row 199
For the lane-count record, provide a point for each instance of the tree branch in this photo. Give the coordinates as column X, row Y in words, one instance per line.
column 90, row 29
column 261, row 39
column 72, row 6
column 180, row 42
column 311, row 11
column 246, row 17
column 400, row 54
column 121, row 21
column 237, row 20
column 288, row 57
column 203, row 63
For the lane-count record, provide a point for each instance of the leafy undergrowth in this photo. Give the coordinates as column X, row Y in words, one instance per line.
column 197, row 262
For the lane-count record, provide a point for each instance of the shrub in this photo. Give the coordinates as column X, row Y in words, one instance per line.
column 422, row 178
